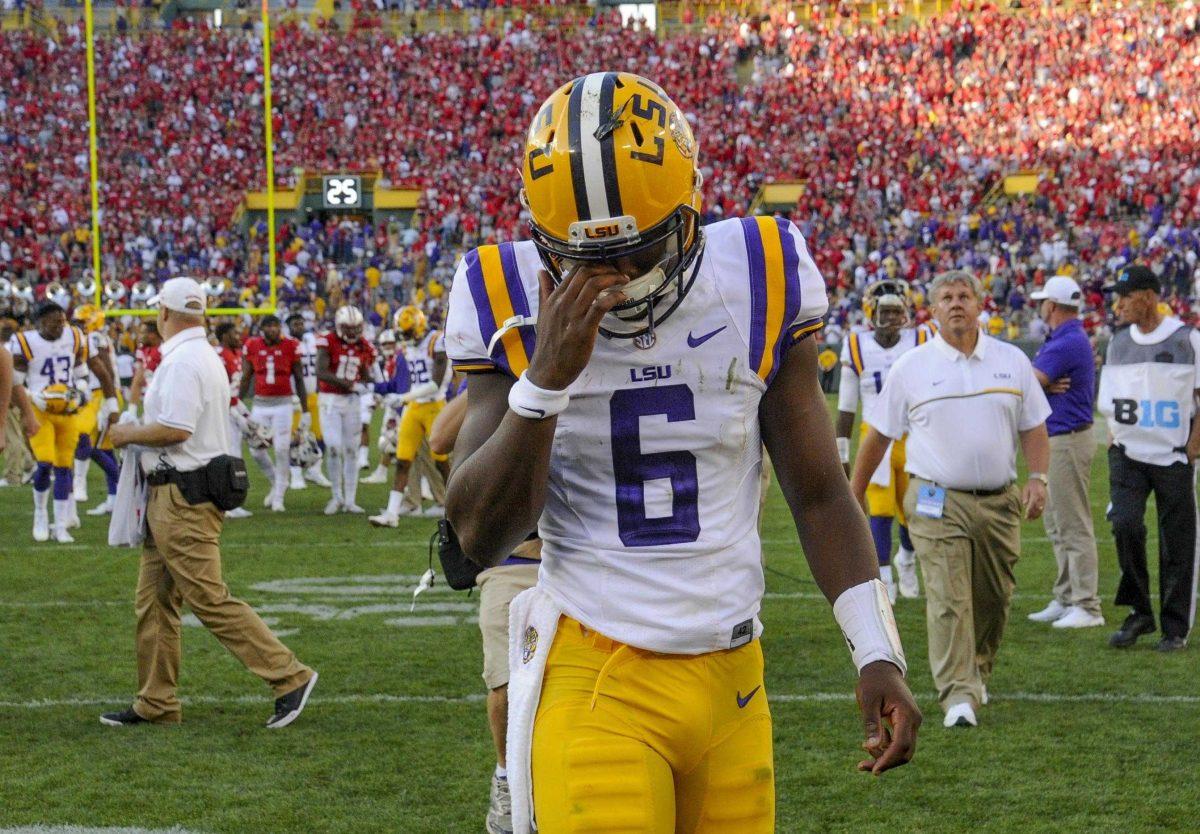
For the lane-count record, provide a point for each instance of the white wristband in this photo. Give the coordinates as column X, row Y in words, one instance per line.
column 843, row 446
column 528, row 400
column 869, row 626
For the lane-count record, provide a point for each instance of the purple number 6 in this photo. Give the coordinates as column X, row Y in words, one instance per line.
column 633, row 468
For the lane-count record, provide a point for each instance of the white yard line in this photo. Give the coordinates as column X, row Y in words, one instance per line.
column 476, row 698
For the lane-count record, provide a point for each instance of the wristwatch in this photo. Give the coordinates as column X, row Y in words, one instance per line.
column 1039, row 476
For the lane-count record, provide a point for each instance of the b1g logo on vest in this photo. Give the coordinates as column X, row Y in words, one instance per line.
column 1149, row 414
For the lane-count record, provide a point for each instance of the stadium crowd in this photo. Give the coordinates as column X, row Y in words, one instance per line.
column 902, row 136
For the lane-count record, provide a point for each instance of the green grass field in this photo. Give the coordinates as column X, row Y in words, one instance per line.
column 1078, row 737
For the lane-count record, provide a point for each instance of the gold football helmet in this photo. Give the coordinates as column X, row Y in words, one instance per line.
column 60, row 398
column 890, row 292
column 610, row 176
column 410, row 323
column 89, row 317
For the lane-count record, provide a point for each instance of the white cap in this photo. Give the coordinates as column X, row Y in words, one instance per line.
column 183, row 295
column 1060, row 289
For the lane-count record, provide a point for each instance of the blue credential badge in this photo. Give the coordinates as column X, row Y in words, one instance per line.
column 931, row 501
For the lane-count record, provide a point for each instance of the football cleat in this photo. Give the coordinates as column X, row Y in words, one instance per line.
column 334, row 505
column 104, row 508
column 238, row 512
column 379, row 476
column 277, row 506
column 385, row 519
column 41, row 526
column 352, row 509
column 316, row 476
column 434, row 511
column 610, row 176
column 62, row 536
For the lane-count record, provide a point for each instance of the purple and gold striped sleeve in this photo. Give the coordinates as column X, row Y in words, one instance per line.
column 486, row 295
column 787, row 293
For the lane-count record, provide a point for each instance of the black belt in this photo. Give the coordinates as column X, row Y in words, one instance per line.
column 1084, row 427
column 978, row 493
column 183, row 480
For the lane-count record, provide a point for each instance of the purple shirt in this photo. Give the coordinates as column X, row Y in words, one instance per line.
column 1067, row 352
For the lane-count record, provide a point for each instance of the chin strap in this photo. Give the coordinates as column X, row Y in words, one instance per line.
column 512, row 323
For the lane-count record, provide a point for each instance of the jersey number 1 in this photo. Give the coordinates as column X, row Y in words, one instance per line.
column 633, row 468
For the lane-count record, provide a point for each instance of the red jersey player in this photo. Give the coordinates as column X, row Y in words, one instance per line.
column 345, row 364
column 145, row 362
column 272, row 363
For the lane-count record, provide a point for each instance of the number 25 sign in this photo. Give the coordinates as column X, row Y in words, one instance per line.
column 342, row 192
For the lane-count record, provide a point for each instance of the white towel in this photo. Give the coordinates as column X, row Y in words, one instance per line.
column 882, row 476
column 127, row 526
column 532, row 623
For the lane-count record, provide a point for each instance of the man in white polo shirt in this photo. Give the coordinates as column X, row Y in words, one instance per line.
column 185, row 427
column 964, row 399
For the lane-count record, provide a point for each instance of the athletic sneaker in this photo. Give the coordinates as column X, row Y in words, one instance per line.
column 960, row 715
column 289, row 707
column 124, row 718
column 1050, row 613
column 1077, row 617
column 906, row 570
column 385, row 519
column 499, row 816
column 333, row 506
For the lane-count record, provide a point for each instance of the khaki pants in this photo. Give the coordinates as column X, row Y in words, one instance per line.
column 423, row 466
column 17, row 458
column 498, row 587
column 1068, row 520
column 181, row 563
column 967, row 558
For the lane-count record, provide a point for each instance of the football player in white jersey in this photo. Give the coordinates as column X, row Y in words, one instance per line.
column 626, row 368
column 93, row 437
column 308, row 366
column 866, row 359
column 52, row 363
column 419, row 388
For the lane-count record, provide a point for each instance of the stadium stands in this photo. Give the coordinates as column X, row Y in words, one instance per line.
column 902, row 134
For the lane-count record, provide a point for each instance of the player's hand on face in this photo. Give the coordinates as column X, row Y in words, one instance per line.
column 569, row 319
column 891, row 718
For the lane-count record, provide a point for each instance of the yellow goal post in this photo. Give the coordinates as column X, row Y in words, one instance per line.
column 94, row 183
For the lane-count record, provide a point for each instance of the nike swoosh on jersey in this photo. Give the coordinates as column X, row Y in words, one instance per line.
column 696, row 342
column 743, row 701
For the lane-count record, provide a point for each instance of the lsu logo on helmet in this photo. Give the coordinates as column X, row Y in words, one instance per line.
column 610, row 176
column 890, row 292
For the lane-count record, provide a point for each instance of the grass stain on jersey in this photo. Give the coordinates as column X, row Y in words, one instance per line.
column 729, row 375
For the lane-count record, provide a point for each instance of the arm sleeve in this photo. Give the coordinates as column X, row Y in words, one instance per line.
column 889, row 413
column 1051, row 361
column 182, row 409
column 1034, row 406
column 814, row 303
column 463, row 340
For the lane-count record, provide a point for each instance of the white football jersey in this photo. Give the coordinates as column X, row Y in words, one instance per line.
column 308, row 361
column 650, row 526
column 52, row 363
column 865, row 365
column 419, row 357
column 100, row 345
